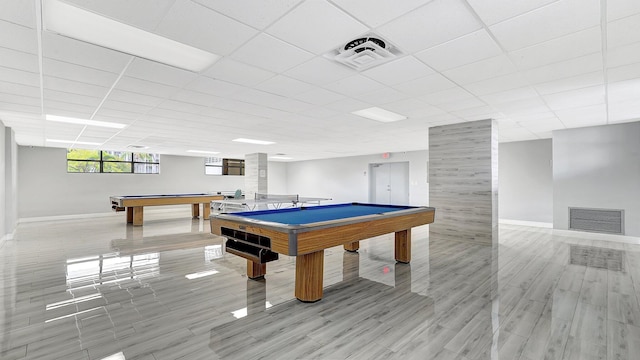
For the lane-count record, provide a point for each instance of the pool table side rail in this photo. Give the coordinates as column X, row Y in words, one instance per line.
column 301, row 228
column 122, row 202
column 301, row 239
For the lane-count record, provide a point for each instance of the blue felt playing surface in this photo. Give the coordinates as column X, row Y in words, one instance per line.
column 299, row 216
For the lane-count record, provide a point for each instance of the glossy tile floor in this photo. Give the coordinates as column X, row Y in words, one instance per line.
column 97, row 288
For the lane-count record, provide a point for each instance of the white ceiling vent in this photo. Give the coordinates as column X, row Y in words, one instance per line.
column 364, row 52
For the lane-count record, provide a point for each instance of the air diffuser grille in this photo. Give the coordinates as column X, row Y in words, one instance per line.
column 365, row 52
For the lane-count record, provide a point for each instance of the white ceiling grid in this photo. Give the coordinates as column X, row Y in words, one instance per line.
column 535, row 66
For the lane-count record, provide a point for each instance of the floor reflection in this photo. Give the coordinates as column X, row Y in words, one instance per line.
column 91, row 289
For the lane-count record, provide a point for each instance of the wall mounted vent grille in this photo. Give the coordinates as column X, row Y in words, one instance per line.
column 364, row 52
column 597, row 220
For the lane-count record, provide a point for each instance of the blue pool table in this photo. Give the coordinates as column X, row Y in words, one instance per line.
column 259, row 236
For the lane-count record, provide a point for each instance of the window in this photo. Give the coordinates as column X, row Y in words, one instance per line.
column 96, row 161
column 219, row 166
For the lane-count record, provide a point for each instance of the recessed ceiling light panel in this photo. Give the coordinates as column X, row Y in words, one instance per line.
column 83, row 25
column 71, row 120
column 253, row 141
column 378, row 114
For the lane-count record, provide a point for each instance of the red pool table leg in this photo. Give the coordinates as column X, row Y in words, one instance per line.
column 309, row 273
column 403, row 246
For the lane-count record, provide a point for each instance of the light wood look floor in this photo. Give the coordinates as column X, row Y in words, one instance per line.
column 92, row 288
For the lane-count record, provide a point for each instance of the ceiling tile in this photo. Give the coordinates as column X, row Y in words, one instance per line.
column 198, row 26
column 433, row 24
column 283, row 85
column 81, row 53
column 461, row 51
column 563, row 69
column 572, row 83
column 497, row 84
column 320, row 27
column 398, row 71
column 522, row 93
column 269, row 53
column 72, row 98
column 522, row 107
column 576, row 98
column 446, row 96
column 236, row 72
column 17, row 37
column 318, row 96
column 495, row 11
column 624, row 90
column 462, row 105
column 320, row 71
column 382, row 12
column 624, row 111
column 623, row 55
column 354, row 85
column 210, row 86
column 578, row 44
column 382, row 96
column 74, row 87
column 621, row 73
column 584, row 116
column 19, row 60
column 159, row 73
column 19, row 89
column 549, row 22
column 425, row 85
column 132, row 97
column 65, row 70
column 19, row 77
column 624, row 31
column 261, row 14
column 413, row 108
column 621, row 9
column 481, row 70
column 548, row 124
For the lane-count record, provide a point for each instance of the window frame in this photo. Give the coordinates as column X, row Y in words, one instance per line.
column 101, row 162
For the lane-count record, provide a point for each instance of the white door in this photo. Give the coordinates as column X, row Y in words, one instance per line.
column 389, row 183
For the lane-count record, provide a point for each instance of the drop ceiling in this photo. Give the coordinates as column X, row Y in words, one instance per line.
column 534, row 66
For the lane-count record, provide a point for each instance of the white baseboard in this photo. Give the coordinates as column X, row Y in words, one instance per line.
column 526, row 223
column 147, row 210
column 597, row 236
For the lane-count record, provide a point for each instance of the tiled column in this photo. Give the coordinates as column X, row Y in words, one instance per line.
column 463, row 181
column 255, row 174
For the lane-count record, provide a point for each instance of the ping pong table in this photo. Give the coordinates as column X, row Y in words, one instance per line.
column 264, row 201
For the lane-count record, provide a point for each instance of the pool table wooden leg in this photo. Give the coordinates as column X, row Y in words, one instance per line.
column 352, row 247
column 129, row 215
column 195, row 210
column 138, row 216
column 206, row 211
column 256, row 270
column 309, row 273
column 403, row 246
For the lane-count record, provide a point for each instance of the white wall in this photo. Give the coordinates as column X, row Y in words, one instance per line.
column 3, row 188
column 46, row 189
column 597, row 167
column 526, row 181
column 347, row 179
